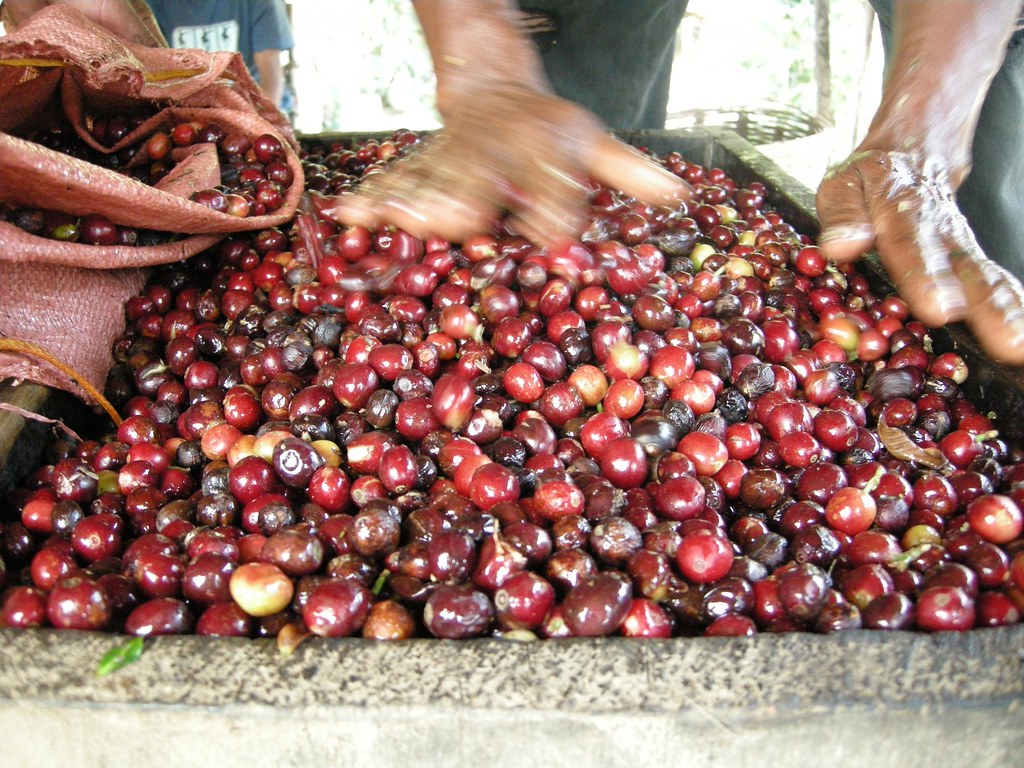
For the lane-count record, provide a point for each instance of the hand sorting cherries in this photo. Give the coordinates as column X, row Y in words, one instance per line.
column 685, row 423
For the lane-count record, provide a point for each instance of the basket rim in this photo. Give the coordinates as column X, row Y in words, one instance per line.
column 759, row 122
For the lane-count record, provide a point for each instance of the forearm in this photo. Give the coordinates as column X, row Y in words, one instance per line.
column 945, row 54
column 268, row 64
column 475, row 41
column 131, row 19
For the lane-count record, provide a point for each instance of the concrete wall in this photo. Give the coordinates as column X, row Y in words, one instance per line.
column 861, row 698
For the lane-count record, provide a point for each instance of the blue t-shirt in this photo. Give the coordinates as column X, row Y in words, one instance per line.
column 246, row 26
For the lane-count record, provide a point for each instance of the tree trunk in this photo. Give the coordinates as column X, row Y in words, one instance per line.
column 825, row 115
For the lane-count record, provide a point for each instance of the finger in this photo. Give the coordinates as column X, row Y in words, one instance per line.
column 453, row 217
column 20, row 10
column 553, row 208
column 421, row 200
column 130, row 19
column 543, row 226
column 996, row 299
column 365, row 206
column 624, row 168
column 122, row 17
column 448, row 193
column 846, row 230
column 118, row 16
column 354, row 208
column 882, row 200
column 912, row 242
column 149, row 24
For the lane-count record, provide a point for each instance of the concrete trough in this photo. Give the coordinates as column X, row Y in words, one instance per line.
column 857, row 698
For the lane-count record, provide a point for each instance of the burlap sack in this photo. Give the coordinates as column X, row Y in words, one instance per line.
column 68, row 298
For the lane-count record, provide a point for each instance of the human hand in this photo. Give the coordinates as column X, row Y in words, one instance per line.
column 904, row 206
column 507, row 147
column 129, row 19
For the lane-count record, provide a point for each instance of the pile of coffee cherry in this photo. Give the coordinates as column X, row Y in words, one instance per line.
column 684, row 423
column 255, row 176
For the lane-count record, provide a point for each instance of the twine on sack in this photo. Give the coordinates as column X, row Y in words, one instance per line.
column 172, row 74
column 149, row 77
column 27, row 348
column 32, row 63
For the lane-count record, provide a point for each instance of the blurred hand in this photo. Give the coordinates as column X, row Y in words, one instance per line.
column 129, row 19
column 904, row 206
column 507, row 147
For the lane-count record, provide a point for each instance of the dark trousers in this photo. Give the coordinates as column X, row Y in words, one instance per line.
column 612, row 56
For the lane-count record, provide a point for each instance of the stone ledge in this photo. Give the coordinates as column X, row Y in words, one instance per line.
column 784, row 673
column 904, row 699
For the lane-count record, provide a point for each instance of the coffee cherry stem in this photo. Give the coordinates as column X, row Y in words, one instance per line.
column 875, row 480
column 382, row 579
column 291, row 636
column 903, row 560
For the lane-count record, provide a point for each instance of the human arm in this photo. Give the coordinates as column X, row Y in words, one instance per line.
column 270, row 34
column 130, row 19
column 508, row 142
column 896, row 192
column 271, row 73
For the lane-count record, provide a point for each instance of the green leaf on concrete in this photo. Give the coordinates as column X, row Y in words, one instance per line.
column 120, row 657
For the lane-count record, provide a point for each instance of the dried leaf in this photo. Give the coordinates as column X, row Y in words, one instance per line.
column 291, row 637
column 42, row 419
column 122, row 656
column 902, row 447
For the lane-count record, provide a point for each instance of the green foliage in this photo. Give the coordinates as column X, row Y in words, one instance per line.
column 770, row 54
column 120, row 656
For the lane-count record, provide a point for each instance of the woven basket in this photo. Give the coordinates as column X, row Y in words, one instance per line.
column 758, row 125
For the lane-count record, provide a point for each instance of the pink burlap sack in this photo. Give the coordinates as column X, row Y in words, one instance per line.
column 67, row 297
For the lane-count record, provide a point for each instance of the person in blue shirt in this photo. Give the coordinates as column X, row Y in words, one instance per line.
column 258, row 29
